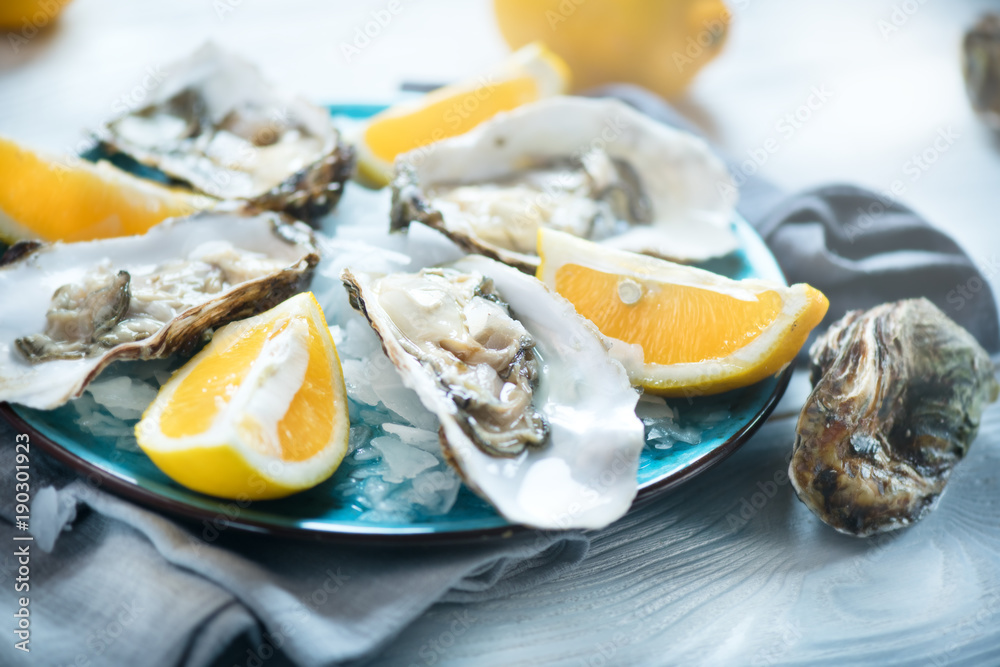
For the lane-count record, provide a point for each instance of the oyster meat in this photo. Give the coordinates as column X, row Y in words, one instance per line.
column 465, row 337
column 897, row 398
column 71, row 309
column 216, row 125
column 535, row 416
column 594, row 168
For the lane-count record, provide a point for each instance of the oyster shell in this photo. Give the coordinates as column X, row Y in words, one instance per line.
column 70, row 309
column 216, row 125
column 532, row 376
column 460, row 331
column 594, row 168
column 981, row 67
column 898, row 394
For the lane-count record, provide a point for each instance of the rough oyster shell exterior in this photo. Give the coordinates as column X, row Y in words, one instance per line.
column 981, row 67
column 217, row 126
column 897, row 398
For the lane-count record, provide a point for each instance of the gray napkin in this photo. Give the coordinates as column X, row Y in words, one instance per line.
column 127, row 586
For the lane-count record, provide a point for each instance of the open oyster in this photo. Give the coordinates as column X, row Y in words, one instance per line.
column 594, row 168
column 534, row 414
column 898, row 394
column 70, row 309
column 215, row 124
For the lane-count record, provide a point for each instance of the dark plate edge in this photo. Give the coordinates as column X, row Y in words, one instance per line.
column 726, row 449
column 160, row 503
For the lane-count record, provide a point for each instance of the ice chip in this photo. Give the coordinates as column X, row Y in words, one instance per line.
column 360, row 342
column 652, row 408
column 690, row 435
column 404, row 402
column 435, row 491
column 359, row 435
column 358, row 384
column 123, row 397
column 362, row 454
column 659, row 433
column 337, row 334
column 418, row 437
column 402, row 461
column 376, row 489
column 94, row 421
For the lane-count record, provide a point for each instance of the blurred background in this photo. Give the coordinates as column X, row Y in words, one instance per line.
column 864, row 91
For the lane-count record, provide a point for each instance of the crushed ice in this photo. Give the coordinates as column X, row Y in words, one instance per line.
column 661, row 420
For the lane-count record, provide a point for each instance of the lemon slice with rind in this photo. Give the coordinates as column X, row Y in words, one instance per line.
column 680, row 330
column 528, row 75
column 260, row 412
column 44, row 199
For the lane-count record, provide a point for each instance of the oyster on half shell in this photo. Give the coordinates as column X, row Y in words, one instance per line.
column 594, row 168
column 897, row 397
column 70, row 309
column 535, row 416
column 215, row 124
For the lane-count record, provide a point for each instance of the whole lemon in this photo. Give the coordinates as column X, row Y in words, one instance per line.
column 659, row 44
column 29, row 16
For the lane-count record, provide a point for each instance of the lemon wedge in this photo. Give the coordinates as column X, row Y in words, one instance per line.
column 41, row 198
column 699, row 333
column 528, row 75
column 260, row 412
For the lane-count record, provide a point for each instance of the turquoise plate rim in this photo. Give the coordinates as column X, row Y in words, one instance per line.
column 199, row 507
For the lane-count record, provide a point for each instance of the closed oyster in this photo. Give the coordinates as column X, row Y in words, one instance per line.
column 981, row 67
column 898, row 394
column 70, row 309
column 216, row 125
column 534, row 414
column 594, row 168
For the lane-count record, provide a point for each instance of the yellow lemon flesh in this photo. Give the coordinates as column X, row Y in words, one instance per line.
column 699, row 333
column 260, row 412
column 43, row 199
column 526, row 76
column 659, row 44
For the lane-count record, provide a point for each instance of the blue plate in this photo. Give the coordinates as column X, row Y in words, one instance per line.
column 725, row 422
